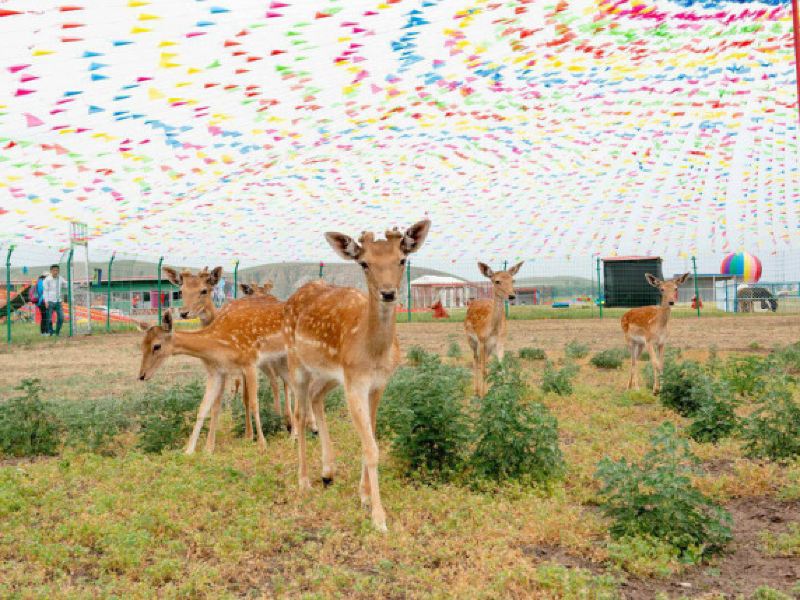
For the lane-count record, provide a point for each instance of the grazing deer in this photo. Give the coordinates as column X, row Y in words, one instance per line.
column 485, row 323
column 648, row 325
column 339, row 335
column 242, row 339
column 252, row 289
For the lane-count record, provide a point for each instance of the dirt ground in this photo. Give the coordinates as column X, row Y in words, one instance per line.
column 117, row 355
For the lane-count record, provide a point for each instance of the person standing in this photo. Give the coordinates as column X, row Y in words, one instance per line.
column 44, row 321
column 53, row 293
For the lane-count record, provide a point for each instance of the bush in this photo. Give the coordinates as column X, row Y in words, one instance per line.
column 609, row 359
column 532, row 354
column 788, row 358
column 715, row 417
column 514, row 440
column 416, row 355
column 423, row 416
column 93, row 426
column 166, row 418
column 773, row 429
column 678, row 383
column 271, row 423
column 656, row 499
column 746, row 374
column 559, row 381
column 454, row 350
column 28, row 426
column 575, row 349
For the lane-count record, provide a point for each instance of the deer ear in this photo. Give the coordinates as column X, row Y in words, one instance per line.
column 173, row 276
column 213, row 278
column 415, row 236
column 247, row 289
column 267, row 286
column 515, row 269
column 143, row 327
column 653, row 280
column 682, row 279
column 166, row 322
column 344, row 245
column 485, row 270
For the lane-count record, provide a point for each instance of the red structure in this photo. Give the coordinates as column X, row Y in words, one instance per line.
column 438, row 311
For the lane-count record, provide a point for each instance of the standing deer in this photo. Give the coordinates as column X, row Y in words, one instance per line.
column 340, row 335
column 245, row 337
column 647, row 325
column 485, row 323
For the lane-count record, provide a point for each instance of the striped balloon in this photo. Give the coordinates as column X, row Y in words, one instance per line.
column 742, row 264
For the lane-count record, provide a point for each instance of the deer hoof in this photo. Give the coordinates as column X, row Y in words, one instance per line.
column 326, row 481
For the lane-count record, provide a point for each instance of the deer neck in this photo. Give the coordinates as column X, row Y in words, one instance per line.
column 498, row 313
column 192, row 343
column 664, row 312
column 380, row 325
column 208, row 315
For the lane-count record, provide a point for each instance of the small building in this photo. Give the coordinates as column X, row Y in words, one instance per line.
column 624, row 282
column 708, row 285
column 451, row 291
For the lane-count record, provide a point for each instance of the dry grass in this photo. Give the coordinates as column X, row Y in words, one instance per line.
column 233, row 525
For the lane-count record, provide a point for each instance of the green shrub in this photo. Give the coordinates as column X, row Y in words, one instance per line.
column 166, row 417
column 788, row 358
column 93, row 425
column 609, row 359
column 575, row 349
column 773, row 429
column 271, row 423
column 423, row 416
column 514, row 439
column 678, row 383
column 454, row 350
column 644, row 556
column 532, row 354
column 715, row 417
column 416, row 355
column 28, row 426
column 656, row 499
column 746, row 375
column 559, row 381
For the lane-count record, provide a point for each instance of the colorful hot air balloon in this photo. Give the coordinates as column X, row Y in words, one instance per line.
column 742, row 264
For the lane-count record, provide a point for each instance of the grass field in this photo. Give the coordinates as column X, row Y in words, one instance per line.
column 233, row 525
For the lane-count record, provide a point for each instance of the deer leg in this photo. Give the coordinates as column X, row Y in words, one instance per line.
column 655, row 360
column 483, row 369
column 248, row 421
column 251, row 386
column 213, row 389
column 276, row 393
column 358, row 400
column 375, row 396
column 299, row 381
column 473, row 343
column 636, row 349
column 211, row 438
column 318, row 393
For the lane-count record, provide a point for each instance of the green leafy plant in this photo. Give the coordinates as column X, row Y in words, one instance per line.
column 608, row 359
column 788, row 358
column 773, row 429
column 454, row 350
column 529, row 353
column 678, row 382
column 655, row 498
column 28, row 425
column 514, row 439
column 166, row 417
column 423, row 416
column 415, row 355
column 715, row 417
column 575, row 349
column 93, row 426
column 559, row 381
column 746, row 374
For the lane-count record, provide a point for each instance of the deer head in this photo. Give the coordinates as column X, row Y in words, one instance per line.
column 251, row 289
column 157, row 346
column 502, row 281
column 195, row 290
column 383, row 261
column 668, row 289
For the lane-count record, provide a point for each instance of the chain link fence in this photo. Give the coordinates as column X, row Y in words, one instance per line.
column 112, row 292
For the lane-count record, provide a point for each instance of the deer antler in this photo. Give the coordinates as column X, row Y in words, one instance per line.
column 366, row 237
column 394, row 234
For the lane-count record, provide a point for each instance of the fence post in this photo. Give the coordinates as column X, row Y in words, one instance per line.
column 505, row 268
column 8, row 294
column 160, row 261
column 69, row 293
column 408, row 290
column 735, row 296
column 696, row 290
column 599, row 289
column 236, row 279
column 321, row 267
column 108, row 292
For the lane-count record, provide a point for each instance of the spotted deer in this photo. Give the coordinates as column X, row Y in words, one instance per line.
column 485, row 323
column 340, row 335
column 242, row 339
column 647, row 325
column 253, row 289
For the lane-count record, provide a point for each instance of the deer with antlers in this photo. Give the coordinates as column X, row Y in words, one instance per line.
column 485, row 323
column 339, row 335
column 647, row 325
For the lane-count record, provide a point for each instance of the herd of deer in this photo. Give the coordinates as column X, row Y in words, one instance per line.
column 324, row 336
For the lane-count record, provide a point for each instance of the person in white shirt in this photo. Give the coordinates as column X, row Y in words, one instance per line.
column 54, row 286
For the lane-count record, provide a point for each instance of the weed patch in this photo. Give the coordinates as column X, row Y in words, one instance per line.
column 559, row 381
column 28, row 425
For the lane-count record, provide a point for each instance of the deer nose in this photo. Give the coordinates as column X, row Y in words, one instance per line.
column 388, row 296
column 184, row 314
column 512, row 296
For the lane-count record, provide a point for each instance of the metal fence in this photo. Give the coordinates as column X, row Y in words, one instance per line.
column 113, row 291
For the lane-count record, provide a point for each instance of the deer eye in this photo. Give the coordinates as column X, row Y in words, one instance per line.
column 402, row 261
column 203, row 292
column 364, row 265
column 156, row 347
column 497, row 281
